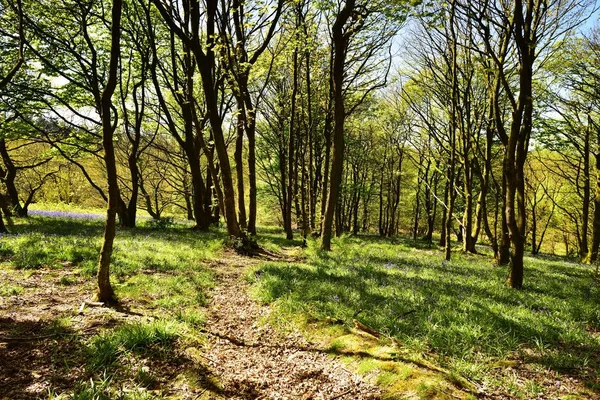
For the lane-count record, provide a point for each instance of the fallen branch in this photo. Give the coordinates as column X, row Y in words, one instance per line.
column 362, row 327
column 28, row 338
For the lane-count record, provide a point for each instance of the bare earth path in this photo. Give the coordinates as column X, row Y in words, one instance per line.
column 254, row 361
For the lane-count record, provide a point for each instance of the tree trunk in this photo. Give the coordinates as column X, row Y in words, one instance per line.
column 327, row 133
column 503, row 256
column 452, row 134
column 291, row 146
column 105, row 290
column 534, row 249
column 340, row 45
column 442, row 242
column 2, row 226
column 585, row 212
column 9, row 181
column 206, row 66
column 239, row 163
column 593, row 257
column 251, row 134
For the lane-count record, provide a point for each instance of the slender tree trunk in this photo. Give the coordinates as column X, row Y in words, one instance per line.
column 251, row 134
column 105, row 290
column 381, row 182
column 503, row 257
column 239, row 164
column 327, row 133
column 312, row 192
column 469, row 240
column 534, row 249
column 442, row 242
column 585, row 211
column 452, row 134
column 340, row 45
column 593, row 257
column 291, row 145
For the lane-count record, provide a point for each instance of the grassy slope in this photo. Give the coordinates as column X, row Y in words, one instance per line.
column 458, row 315
column 160, row 275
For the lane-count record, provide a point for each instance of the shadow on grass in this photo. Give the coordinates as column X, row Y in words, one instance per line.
column 462, row 310
column 37, row 356
column 42, row 357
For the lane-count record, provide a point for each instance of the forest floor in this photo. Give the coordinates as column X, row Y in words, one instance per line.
column 376, row 318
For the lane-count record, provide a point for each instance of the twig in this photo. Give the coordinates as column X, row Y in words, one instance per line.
column 337, row 396
column 29, row 338
column 362, row 327
column 91, row 304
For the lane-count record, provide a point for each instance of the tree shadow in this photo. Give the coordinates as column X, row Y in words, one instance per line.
column 36, row 357
column 448, row 307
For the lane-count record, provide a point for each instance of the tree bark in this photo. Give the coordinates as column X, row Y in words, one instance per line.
column 593, row 257
column 291, row 178
column 239, row 163
column 340, row 45
column 10, row 175
column 452, row 134
column 105, row 290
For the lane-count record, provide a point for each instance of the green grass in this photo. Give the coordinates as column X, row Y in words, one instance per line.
column 160, row 272
column 458, row 314
column 106, row 348
column 177, row 253
column 11, row 290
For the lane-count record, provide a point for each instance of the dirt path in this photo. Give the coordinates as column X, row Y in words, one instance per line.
column 254, row 361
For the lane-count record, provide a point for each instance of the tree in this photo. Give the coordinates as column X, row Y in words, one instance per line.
column 12, row 71
column 109, row 124
column 205, row 58
column 528, row 28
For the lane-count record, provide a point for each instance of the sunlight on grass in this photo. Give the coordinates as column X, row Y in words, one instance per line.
column 460, row 314
column 161, row 272
column 104, row 349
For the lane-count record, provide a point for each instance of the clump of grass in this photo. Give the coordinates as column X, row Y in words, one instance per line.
column 60, row 326
column 6, row 252
column 170, row 292
column 191, row 316
column 104, row 349
column 11, row 290
column 102, row 389
column 67, row 280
